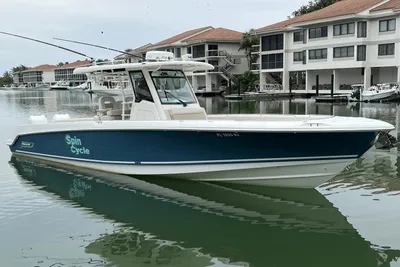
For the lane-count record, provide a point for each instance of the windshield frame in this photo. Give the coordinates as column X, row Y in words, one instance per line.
column 173, row 100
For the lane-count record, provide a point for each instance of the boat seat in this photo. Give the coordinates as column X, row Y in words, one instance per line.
column 186, row 113
column 106, row 103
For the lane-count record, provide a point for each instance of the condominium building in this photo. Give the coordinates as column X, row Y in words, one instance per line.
column 216, row 46
column 349, row 42
column 39, row 74
column 66, row 72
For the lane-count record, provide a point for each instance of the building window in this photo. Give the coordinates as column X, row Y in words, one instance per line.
column 298, row 36
column 361, row 29
column 361, row 52
column 272, row 61
column 387, row 25
column 189, row 49
column 343, row 29
column 318, row 53
column 178, row 52
column 386, row 49
column 345, row 51
column 272, row 42
column 298, row 56
column 199, row 51
column 318, row 32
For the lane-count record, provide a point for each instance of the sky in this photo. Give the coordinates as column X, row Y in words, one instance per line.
column 124, row 23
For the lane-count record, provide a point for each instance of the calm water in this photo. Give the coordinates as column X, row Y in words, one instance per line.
column 53, row 216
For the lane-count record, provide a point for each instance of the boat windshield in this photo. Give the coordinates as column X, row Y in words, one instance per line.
column 173, row 87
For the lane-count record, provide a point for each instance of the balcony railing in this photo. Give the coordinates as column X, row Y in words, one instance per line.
column 255, row 66
column 255, row 49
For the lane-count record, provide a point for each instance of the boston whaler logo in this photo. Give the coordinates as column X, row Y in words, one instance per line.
column 25, row 144
column 76, row 146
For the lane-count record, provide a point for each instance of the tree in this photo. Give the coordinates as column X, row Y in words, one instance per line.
column 313, row 6
column 19, row 68
column 128, row 50
column 60, row 64
column 246, row 44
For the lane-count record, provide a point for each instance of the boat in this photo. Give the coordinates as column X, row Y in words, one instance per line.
column 375, row 93
column 60, row 85
column 106, row 84
column 40, row 86
column 161, row 130
column 79, row 88
column 379, row 92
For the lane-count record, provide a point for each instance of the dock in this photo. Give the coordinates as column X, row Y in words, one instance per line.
column 256, row 95
column 331, row 99
column 209, row 93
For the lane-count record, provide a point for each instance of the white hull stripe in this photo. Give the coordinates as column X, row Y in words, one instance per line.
column 193, row 162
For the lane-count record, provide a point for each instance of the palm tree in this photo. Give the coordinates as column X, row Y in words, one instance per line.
column 19, row 68
column 248, row 40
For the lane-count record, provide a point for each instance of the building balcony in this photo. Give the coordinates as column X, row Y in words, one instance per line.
column 255, row 49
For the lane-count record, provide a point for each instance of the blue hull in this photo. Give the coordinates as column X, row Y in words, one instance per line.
column 192, row 147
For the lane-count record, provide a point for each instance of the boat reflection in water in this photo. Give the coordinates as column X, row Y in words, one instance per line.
column 184, row 223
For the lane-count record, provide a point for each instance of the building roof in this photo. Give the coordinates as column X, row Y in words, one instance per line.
column 75, row 64
column 340, row 8
column 44, row 67
column 392, row 4
column 136, row 51
column 220, row 34
column 141, row 49
column 182, row 36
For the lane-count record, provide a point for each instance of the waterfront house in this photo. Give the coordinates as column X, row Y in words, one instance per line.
column 217, row 46
column 349, row 42
column 39, row 74
column 65, row 72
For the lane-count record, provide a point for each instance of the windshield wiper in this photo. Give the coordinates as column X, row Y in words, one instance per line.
column 177, row 98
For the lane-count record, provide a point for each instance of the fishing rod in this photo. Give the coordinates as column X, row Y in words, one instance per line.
column 99, row 46
column 35, row 40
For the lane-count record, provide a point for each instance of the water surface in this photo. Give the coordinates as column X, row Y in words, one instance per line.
column 56, row 216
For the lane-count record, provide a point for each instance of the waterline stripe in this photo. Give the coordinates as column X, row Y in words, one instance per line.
column 194, row 162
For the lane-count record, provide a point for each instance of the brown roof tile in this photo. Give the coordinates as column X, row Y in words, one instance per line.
column 341, row 8
column 392, row 4
column 182, row 36
column 75, row 64
column 141, row 49
column 44, row 67
column 217, row 34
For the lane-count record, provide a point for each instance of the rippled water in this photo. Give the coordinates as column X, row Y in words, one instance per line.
column 56, row 216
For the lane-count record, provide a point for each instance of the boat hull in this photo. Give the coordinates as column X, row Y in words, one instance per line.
column 374, row 96
column 263, row 158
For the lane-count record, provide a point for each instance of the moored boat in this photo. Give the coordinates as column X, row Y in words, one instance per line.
column 162, row 130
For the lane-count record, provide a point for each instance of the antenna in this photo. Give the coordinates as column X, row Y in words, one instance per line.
column 109, row 52
column 70, row 50
column 99, row 46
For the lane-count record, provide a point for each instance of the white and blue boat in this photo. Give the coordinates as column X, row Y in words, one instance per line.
column 161, row 130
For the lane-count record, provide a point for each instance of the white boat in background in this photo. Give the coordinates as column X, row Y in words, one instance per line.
column 379, row 92
column 60, row 85
column 38, row 87
column 80, row 88
column 161, row 130
column 109, row 85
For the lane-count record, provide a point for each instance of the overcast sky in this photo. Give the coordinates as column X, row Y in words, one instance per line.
column 125, row 23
